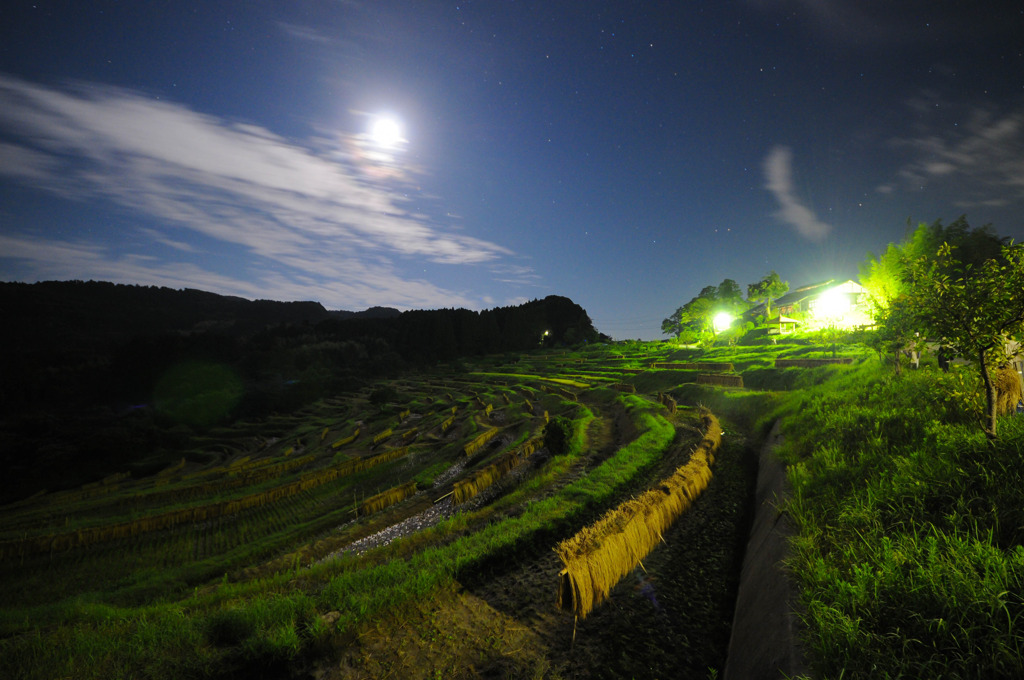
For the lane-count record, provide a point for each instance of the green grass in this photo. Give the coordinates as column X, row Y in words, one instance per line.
column 909, row 552
column 908, row 555
column 274, row 619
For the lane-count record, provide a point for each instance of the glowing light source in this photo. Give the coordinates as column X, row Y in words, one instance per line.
column 386, row 132
column 832, row 305
column 722, row 321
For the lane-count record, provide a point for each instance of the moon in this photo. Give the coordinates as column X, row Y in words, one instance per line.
column 386, row 132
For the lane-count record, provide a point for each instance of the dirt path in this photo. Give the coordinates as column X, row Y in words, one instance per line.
column 670, row 621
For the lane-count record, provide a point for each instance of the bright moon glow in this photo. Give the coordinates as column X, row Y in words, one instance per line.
column 386, row 132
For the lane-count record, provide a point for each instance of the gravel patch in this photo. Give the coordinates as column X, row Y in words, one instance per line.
column 438, row 511
column 428, row 518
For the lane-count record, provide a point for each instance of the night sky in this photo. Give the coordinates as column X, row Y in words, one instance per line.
column 622, row 154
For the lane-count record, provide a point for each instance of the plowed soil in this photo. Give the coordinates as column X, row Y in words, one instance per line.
column 670, row 618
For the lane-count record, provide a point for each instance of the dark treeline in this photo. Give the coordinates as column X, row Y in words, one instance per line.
column 97, row 376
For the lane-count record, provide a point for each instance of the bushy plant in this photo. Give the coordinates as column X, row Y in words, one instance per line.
column 557, row 435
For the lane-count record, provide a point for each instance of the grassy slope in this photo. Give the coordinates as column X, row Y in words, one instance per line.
column 909, row 554
column 911, row 524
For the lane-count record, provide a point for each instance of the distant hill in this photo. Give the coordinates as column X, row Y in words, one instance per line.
column 371, row 313
column 94, row 376
column 73, row 346
column 101, row 310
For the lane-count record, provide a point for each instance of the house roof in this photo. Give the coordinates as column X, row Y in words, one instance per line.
column 806, row 292
column 802, row 293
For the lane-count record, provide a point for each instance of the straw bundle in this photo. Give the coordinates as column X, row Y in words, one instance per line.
column 465, row 489
column 479, row 442
column 387, row 498
column 597, row 557
column 346, row 440
column 200, row 513
column 381, row 436
column 1008, row 391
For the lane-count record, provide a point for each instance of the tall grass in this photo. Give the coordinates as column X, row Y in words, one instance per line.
column 909, row 551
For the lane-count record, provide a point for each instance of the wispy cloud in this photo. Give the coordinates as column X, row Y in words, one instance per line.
column 298, row 216
column 515, row 274
column 778, row 173
column 979, row 162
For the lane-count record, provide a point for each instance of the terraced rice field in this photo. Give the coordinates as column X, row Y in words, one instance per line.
column 386, row 529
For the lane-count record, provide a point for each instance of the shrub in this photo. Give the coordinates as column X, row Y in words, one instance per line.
column 557, row 434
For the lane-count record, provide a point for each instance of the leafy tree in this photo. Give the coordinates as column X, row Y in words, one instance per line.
column 728, row 290
column 771, row 287
column 729, row 297
column 884, row 275
column 897, row 330
column 673, row 325
column 694, row 317
column 972, row 305
column 708, row 293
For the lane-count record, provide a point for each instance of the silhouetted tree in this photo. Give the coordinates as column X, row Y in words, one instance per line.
column 770, row 288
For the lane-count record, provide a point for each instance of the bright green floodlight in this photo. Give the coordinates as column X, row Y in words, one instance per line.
column 722, row 321
column 832, row 305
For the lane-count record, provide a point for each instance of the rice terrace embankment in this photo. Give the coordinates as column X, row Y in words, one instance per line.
column 552, row 514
